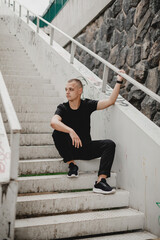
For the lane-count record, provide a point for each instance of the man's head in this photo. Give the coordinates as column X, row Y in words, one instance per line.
column 74, row 89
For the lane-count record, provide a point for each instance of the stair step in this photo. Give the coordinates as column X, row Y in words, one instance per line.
column 15, row 79
column 18, row 61
column 18, row 68
column 46, row 204
column 19, row 73
column 32, row 117
column 36, row 139
column 81, row 224
column 36, row 100
column 32, row 92
column 36, row 166
column 29, row 86
column 14, row 57
column 33, row 127
column 14, row 53
column 52, row 183
column 14, row 48
column 16, row 64
column 139, row 235
column 34, row 108
column 20, row 80
column 32, row 152
column 7, row 54
column 14, row 44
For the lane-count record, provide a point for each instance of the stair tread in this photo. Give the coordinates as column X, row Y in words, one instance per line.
column 59, row 183
column 140, row 235
column 78, row 217
column 42, row 160
column 68, row 195
column 55, row 165
column 61, row 176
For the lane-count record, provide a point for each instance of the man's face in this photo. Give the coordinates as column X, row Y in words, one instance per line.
column 73, row 91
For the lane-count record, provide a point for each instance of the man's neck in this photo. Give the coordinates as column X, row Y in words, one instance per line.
column 75, row 104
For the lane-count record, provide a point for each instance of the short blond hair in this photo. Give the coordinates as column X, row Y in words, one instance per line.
column 77, row 81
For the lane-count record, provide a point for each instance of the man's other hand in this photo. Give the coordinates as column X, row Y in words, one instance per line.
column 119, row 78
column 76, row 141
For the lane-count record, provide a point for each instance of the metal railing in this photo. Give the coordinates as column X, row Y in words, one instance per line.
column 14, row 127
column 75, row 43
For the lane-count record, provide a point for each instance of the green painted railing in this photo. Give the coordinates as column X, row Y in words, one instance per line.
column 53, row 10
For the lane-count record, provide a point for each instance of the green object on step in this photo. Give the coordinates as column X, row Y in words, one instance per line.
column 42, row 174
column 51, row 12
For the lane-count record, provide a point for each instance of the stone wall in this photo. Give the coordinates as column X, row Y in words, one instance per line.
column 127, row 34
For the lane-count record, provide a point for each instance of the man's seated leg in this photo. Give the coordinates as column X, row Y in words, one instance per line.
column 106, row 150
column 65, row 148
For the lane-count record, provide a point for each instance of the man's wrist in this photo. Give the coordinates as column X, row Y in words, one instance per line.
column 120, row 82
column 70, row 130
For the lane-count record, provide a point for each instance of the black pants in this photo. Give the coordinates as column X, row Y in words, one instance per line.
column 93, row 149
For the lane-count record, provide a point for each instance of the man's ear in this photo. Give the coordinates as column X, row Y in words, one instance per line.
column 80, row 90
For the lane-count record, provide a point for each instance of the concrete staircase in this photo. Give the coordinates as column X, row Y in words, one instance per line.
column 49, row 205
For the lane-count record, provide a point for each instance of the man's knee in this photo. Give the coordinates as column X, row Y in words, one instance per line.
column 59, row 136
column 61, row 139
column 113, row 144
column 110, row 144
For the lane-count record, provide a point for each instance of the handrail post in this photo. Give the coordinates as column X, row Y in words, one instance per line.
column 8, row 3
column 51, row 36
column 14, row 155
column 20, row 10
column 105, row 78
column 14, row 3
column 73, row 49
column 27, row 16
column 37, row 25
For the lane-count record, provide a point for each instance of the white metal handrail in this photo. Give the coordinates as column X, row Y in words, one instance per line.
column 14, row 126
column 75, row 43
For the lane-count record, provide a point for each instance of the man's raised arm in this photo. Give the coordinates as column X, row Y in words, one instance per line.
column 102, row 104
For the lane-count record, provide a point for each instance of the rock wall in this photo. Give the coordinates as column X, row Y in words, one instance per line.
column 127, row 34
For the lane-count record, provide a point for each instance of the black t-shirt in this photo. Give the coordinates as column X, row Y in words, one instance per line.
column 78, row 120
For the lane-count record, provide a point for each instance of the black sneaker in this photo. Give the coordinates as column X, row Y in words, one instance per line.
column 73, row 170
column 103, row 187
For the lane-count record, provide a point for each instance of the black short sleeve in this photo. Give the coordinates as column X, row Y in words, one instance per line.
column 92, row 105
column 60, row 110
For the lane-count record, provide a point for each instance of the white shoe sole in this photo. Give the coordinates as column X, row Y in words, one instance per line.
column 73, row 176
column 97, row 190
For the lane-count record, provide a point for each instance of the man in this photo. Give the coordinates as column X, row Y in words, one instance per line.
column 71, row 124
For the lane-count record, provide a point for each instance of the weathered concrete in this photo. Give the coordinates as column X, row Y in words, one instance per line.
column 59, row 183
column 26, row 78
column 33, row 127
column 73, row 225
column 36, row 108
column 36, row 139
column 35, row 166
column 127, row 236
column 45, row 204
column 8, row 197
column 32, row 152
column 32, row 117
